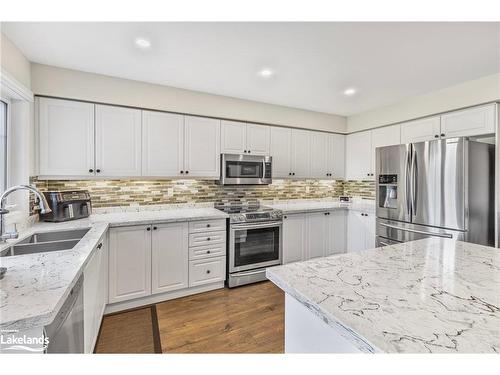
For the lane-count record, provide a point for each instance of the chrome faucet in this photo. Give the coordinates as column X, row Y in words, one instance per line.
column 44, row 208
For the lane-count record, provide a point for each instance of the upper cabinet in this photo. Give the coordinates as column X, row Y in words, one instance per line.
column 242, row 138
column 281, row 145
column 327, row 155
column 422, row 130
column 201, row 147
column 473, row 121
column 336, row 156
column 162, row 144
column 381, row 137
column 65, row 137
column 358, row 156
column 118, row 141
column 301, row 155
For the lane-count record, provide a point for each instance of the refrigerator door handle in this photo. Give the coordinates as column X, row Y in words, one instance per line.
column 443, row 235
column 414, row 177
column 408, row 179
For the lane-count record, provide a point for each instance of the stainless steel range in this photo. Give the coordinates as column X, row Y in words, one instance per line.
column 255, row 242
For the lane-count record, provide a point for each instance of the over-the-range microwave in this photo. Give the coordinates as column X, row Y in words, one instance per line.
column 239, row 169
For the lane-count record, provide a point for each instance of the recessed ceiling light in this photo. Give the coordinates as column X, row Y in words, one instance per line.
column 142, row 43
column 350, row 91
column 266, row 73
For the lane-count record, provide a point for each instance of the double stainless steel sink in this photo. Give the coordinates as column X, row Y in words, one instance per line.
column 46, row 242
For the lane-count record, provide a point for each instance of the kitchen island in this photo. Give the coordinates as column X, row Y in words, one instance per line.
column 426, row 296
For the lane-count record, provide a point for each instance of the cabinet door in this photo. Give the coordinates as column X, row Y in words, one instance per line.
column 317, row 234
column 473, row 121
column 355, row 231
column 170, row 257
column 201, row 147
column 65, row 138
column 280, row 151
column 320, row 155
column 102, row 293
column 118, row 141
column 301, row 153
column 381, row 137
column 369, row 225
column 258, row 139
column 336, row 156
column 358, row 156
column 294, row 236
column 162, row 144
column 422, row 130
column 336, row 232
column 129, row 263
column 90, row 300
column 233, row 137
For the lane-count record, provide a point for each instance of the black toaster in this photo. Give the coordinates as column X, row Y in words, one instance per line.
column 67, row 205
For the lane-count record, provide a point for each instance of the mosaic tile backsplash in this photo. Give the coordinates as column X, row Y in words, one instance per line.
column 108, row 193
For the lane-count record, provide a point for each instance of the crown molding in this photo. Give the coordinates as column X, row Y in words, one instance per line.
column 13, row 89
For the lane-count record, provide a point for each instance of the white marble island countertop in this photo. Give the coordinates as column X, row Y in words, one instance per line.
column 432, row 295
column 36, row 285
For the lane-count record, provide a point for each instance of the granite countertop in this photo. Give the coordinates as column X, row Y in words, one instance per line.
column 36, row 285
column 426, row 296
column 304, row 206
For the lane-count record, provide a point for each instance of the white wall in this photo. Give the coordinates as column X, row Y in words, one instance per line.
column 14, row 62
column 59, row 82
column 466, row 94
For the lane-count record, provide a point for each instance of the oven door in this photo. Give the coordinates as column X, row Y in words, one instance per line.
column 245, row 170
column 254, row 245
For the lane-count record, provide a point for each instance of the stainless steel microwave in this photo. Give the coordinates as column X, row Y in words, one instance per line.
column 245, row 170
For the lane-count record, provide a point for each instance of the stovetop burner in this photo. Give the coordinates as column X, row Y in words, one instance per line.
column 241, row 209
column 250, row 213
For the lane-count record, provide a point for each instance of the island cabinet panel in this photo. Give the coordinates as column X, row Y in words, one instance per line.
column 294, row 238
column 129, row 263
column 337, row 226
column 170, row 257
column 360, row 231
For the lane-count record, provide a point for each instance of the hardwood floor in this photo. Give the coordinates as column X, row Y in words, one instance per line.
column 248, row 319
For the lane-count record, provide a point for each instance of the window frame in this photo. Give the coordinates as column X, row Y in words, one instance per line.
column 8, row 145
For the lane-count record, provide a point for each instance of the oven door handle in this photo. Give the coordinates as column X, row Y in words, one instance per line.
column 257, row 226
column 444, row 235
column 250, row 273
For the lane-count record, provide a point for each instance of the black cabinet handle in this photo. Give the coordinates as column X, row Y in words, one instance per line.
column 293, row 174
column 208, row 271
column 285, row 217
column 187, row 172
column 442, row 134
column 208, row 238
column 248, row 151
column 245, row 151
column 155, row 228
column 436, row 136
column 290, row 173
column 91, row 170
column 99, row 246
column 98, row 170
column 182, row 172
column 208, row 251
column 208, row 225
column 148, row 229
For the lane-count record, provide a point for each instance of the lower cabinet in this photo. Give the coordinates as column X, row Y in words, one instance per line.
column 169, row 255
column 360, row 231
column 95, row 280
column 151, row 259
column 312, row 235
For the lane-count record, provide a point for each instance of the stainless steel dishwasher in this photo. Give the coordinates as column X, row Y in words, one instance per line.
column 65, row 333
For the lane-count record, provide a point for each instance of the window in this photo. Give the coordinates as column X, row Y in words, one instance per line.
column 3, row 146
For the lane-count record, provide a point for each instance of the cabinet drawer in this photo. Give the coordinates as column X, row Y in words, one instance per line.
column 207, row 251
column 207, row 226
column 207, row 271
column 201, row 239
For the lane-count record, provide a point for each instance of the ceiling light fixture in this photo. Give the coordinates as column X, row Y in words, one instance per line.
column 350, row 91
column 142, row 43
column 266, row 73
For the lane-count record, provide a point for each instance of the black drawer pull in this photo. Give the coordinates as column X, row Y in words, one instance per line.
column 208, row 271
column 99, row 246
column 208, row 225
column 208, row 238
column 208, row 251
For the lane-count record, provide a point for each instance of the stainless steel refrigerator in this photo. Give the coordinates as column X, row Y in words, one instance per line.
column 442, row 188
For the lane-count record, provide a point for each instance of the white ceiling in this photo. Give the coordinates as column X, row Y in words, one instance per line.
column 314, row 62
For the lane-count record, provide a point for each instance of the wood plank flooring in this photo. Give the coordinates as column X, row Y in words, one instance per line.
column 248, row 319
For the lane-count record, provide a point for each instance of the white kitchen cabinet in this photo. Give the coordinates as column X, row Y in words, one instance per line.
column 258, row 139
column 317, row 224
column 336, row 232
column 162, row 144
column 170, row 257
column 358, row 156
column 336, row 156
column 118, row 141
column 294, row 238
column 468, row 122
column 281, row 145
column 65, row 138
column 360, row 231
column 426, row 129
column 242, row 138
column 94, row 295
column 300, row 153
column 129, row 262
column 321, row 155
column 385, row 136
column 207, row 271
column 201, row 147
